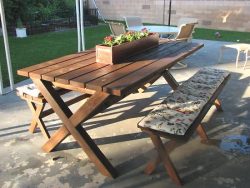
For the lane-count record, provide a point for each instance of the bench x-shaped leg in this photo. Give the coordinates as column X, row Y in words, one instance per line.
column 163, row 156
column 71, row 123
column 164, row 151
column 170, row 146
column 36, row 110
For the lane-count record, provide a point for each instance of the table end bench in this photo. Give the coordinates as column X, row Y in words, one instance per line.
column 181, row 113
column 37, row 102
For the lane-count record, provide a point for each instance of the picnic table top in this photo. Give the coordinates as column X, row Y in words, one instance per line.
column 81, row 70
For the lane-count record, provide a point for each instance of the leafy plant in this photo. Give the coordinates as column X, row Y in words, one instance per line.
column 127, row 37
column 14, row 10
column 30, row 10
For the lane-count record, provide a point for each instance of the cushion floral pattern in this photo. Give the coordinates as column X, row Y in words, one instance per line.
column 183, row 102
column 167, row 120
column 29, row 89
column 217, row 72
column 197, row 90
column 181, row 107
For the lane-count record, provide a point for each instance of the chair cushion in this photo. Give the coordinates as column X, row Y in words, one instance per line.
column 32, row 90
column 29, row 89
column 181, row 107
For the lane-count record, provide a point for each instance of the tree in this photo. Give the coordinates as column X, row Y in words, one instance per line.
column 30, row 10
column 13, row 10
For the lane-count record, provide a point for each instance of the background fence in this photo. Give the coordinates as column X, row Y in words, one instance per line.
column 214, row 14
column 57, row 21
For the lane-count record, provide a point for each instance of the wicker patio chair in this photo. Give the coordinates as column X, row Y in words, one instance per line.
column 185, row 32
column 117, row 28
column 132, row 21
column 184, row 20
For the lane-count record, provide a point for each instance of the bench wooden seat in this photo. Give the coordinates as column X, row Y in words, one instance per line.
column 37, row 102
column 181, row 113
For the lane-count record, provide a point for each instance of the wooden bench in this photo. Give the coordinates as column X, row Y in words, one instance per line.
column 181, row 113
column 37, row 102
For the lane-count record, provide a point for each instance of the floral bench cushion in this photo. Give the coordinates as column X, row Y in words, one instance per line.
column 181, row 107
column 29, row 89
column 32, row 90
column 184, row 103
column 202, row 91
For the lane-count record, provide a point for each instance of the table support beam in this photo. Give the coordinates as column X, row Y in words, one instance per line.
column 72, row 123
column 170, row 79
column 36, row 110
column 98, row 102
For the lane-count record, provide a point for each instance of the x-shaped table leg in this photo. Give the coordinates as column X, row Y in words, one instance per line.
column 36, row 110
column 71, row 123
column 170, row 79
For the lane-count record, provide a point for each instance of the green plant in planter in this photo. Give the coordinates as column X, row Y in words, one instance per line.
column 127, row 37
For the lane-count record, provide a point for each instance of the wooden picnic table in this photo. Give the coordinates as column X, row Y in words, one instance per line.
column 107, row 84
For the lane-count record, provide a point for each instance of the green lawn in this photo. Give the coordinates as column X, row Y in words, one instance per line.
column 38, row 48
column 230, row 36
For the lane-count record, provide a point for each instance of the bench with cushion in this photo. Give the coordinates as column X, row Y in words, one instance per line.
column 37, row 102
column 181, row 113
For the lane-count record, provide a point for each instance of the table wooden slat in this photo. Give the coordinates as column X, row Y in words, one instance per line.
column 25, row 71
column 50, row 76
column 82, row 80
column 38, row 73
column 99, row 83
column 125, row 85
column 65, row 78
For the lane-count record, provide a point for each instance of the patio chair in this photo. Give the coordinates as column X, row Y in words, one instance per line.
column 240, row 48
column 132, row 21
column 182, row 21
column 184, row 34
column 117, row 28
column 186, row 21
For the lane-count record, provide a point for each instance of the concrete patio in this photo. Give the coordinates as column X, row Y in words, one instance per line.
column 23, row 163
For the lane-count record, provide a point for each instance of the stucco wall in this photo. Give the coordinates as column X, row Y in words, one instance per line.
column 220, row 14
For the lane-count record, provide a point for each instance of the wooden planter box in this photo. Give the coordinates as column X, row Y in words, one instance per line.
column 119, row 53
